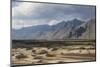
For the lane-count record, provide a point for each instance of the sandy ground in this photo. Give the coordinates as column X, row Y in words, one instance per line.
column 43, row 55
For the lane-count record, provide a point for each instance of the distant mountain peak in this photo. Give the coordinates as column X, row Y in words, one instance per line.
column 63, row 30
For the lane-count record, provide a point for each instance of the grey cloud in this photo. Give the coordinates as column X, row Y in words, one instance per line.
column 57, row 12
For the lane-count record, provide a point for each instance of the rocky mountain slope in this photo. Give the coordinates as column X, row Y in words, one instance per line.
column 74, row 29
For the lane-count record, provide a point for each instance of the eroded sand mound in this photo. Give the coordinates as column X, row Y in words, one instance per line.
column 43, row 55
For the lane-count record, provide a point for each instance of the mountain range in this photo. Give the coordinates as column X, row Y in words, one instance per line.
column 73, row 29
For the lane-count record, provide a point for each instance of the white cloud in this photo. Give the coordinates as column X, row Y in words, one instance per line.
column 24, row 9
column 53, row 22
column 17, row 24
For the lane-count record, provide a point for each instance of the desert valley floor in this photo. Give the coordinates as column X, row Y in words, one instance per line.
column 24, row 53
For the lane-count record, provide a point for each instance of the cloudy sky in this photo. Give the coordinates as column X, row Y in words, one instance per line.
column 25, row 14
